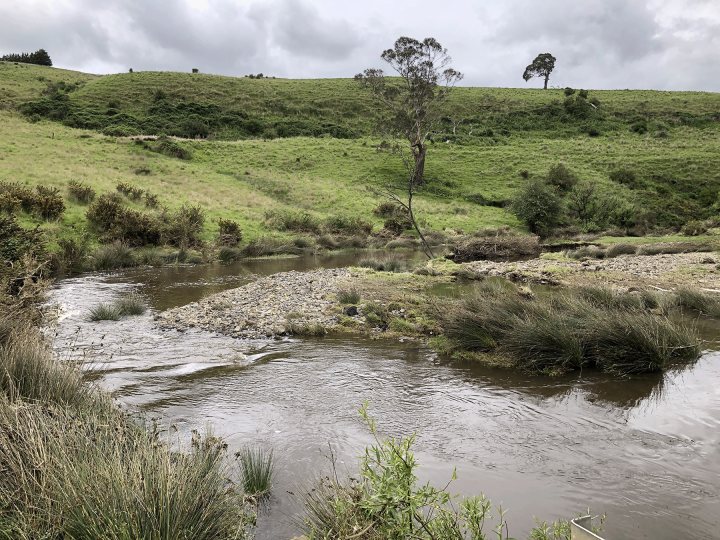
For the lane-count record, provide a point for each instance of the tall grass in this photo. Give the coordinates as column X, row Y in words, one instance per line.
column 348, row 296
column 76, row 466
column 588, row 327
column 114, row 256
column 257, row 468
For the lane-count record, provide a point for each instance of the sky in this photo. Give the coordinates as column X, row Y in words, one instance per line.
column 599, row 44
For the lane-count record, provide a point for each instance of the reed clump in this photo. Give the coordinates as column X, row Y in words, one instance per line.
column 348, row 296
column 256, row 470
column 125, row 306
column 587, row 327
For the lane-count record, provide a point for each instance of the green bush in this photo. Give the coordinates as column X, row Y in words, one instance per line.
column 562, row 177
column 694, row 228
column 287, row 220
column 81, row 192
column 538, row 206
column 230, row 232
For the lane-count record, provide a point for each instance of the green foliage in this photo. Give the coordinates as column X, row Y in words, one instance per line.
column 538, row 206
column 39, row 57
column 288, row 220
column 115, row 255
column 694, row 228
column 561, row 177
column 389, row 502
column 230, row 233
column 17, row 242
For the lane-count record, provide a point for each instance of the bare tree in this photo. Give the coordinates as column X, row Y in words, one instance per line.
column 413, row 101
column 542, row 67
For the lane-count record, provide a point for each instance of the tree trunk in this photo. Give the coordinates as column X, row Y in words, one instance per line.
column 419, row 157
column 428, row 252
column 547, row 78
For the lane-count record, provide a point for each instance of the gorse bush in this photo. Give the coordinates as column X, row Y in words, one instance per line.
column 538, row 206
column 81, row 192
column 230, row 233
column 130, row 190
column 562, row 177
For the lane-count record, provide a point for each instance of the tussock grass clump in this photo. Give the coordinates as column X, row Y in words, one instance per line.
column 227, row 254
column 256, row 472
column 388, row 263
column 125, row 306
column 105, row 312
column 620, row 249
column 348, row 296
column 402, row 243
column 131, row 304
column 587, row 327
column 116, row 255
column 591, row 252
column 401, row 326
column 309, row 330
column 266, row 246
column 699, row 300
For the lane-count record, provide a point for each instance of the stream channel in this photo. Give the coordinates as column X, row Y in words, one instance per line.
column 646, row 449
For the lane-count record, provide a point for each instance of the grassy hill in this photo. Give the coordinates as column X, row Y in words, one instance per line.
column 308, row 145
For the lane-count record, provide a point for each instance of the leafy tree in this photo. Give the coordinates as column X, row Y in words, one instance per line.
column 542, row 66
column 414, row 102
column 538, row 206
column 39, row 57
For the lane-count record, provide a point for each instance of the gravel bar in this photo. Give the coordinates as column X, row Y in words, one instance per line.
column 263, row 308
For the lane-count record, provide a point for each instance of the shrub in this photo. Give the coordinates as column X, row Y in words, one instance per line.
column 562, row 177
column 169, row 147
column 347, row 225
column 81, row 192
column 538, row 206
column 569, row 91
column 402, row 243
column 26, row 196
column 9, row 204
column 397, row 225
column 151, row 200
column 624, row 176
column 130, row 190
column 348, row 296
column 48, row 204
column 287, row 220
column 230, row 232
column 386, row 209
column 183, row 227
column 72, row 254
column 694, row 228
column 256, row 471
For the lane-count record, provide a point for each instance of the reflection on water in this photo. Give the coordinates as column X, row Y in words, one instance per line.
column 644, row 449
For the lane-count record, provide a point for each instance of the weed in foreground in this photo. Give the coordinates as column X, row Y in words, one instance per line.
column 387, row 502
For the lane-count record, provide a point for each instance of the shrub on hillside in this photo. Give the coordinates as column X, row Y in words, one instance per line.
column 230, row 233
column 694, row 228
column 26, row 196
column 347, row 225
column 129, row 190
column 118, row 223
column 169, row 147
column 182, row 228
column 562, row 177
column 48, row 203
column 538, row 206
column 81, row 192
column 287, row 220
column 9, row 204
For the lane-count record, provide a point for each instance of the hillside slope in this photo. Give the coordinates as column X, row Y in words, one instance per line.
column 669, row 141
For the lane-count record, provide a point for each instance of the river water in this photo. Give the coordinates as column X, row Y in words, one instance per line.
column 646, row 450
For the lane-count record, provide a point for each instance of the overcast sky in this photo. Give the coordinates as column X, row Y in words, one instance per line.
column 658, row 44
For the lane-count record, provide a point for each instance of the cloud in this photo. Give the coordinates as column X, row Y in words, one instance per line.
column 664, row 44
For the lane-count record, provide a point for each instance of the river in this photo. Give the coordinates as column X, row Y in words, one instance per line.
column 646, row 450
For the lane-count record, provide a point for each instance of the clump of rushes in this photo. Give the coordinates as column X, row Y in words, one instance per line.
column 348, row 296
column 696, row 299
column 128, row 305
column 256, row 471
column 310, row 330
column 588, row 327
column 389, row 263
column 620, row 249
